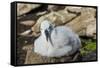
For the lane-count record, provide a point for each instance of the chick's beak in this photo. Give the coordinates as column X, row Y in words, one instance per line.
column 47, row 34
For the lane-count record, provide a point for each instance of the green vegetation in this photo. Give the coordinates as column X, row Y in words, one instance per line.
column 88, row 47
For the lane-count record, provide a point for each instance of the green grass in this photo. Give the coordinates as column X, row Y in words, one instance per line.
column 89, row 46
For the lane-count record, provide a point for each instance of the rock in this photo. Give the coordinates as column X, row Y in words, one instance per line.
column 52, row 7
column 55, row 7
column 73, row 9
column 25, row 8
column 28, row 23
column 84, row 20
column 41, row 13
column 91, row 12
column 25, row 33
column 91, row 29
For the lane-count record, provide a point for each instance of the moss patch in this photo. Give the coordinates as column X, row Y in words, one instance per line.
column 89, row 46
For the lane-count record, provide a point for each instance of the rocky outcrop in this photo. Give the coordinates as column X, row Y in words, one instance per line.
column 82, row 20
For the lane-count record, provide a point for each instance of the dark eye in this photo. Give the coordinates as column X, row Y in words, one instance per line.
column 50, row 27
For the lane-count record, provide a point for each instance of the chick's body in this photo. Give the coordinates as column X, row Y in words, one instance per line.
column 65, row 42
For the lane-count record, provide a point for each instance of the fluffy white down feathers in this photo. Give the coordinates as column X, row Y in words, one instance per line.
column 56, row 41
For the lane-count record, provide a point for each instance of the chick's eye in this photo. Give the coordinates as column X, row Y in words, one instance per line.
column 50, row 27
